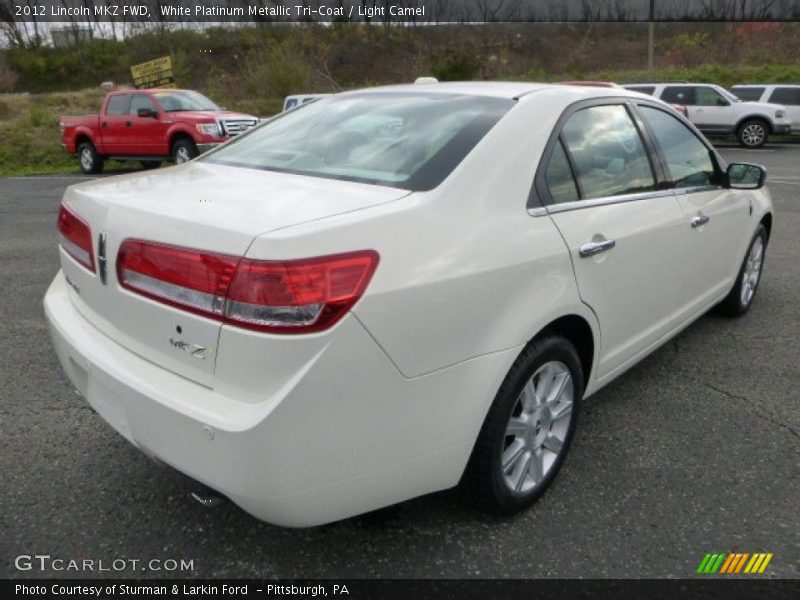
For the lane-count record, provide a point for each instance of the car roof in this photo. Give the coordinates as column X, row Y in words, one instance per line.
column 669, row 83
column 789, row 85
column 149, row 90
column 498, row 89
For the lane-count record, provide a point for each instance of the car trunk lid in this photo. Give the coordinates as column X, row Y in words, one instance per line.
column 212, row 208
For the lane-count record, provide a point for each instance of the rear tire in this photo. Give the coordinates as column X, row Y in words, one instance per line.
column 528, row 429
column 183, row 151
column 753, row 133
column 88, row 159
column 740, row 298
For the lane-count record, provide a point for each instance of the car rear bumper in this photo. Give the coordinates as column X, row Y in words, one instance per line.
column 349, row 434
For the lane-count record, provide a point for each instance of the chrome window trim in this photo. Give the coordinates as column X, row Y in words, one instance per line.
column 603, row 201
column 696, row 189
column 538, row 211
column 541, row 211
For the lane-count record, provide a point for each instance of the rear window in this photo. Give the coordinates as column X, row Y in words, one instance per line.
column 748, row 94
column 407, row 140
column 786, row 95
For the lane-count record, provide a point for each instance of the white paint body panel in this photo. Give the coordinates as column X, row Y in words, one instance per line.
column 302, row 430
column 792, row 110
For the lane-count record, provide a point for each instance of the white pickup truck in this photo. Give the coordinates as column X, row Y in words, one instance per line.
column 715, row 111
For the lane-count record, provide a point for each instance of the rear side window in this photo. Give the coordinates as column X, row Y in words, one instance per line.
column 118, row 105
column 559, row 177
column 642, row 89
column 679, row 94
column 607, row 152
column 688, row 159
column 748, row 94
column 786, row 95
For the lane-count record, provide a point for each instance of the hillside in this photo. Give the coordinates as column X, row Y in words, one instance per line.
column 253, row 68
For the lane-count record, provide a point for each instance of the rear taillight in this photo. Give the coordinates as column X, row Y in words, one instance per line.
column 76, row 237
column 293, row 296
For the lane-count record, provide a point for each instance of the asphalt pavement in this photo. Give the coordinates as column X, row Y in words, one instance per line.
column 695, row 450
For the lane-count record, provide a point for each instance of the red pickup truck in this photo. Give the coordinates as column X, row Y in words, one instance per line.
column 150, row 126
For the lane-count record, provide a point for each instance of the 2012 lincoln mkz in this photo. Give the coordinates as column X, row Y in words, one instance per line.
column 392, row 291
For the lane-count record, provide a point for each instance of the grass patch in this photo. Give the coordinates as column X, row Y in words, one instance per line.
column 30, row 133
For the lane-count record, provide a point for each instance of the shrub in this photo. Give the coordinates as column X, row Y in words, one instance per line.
column 456, row 64
column 276, row 71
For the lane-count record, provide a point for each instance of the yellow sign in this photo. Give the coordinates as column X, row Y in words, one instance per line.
column 153, row 73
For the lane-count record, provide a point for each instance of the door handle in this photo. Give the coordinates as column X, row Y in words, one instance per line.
column 700, row 220
column 104, row 124
column 592, row 248
column 128, row 123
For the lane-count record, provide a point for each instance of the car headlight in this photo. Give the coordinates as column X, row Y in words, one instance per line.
column 211, row 129
column 779, row 114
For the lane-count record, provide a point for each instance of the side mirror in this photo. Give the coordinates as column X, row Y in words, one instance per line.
column 722, row 102
column 745, row 176
column 146, row 113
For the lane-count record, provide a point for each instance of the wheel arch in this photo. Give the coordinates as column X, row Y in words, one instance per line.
column 755, row 117
column 84, row 135
column 179, row 134
column 766, row 221
column 578, row 331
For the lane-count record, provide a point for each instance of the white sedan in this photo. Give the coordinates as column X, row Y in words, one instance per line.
column 389, row 292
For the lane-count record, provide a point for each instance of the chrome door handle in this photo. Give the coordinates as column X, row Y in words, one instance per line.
column 592, row 248
column 700, row 220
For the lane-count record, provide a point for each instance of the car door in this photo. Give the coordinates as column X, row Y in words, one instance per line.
column 706, row 107
column 602, row 190
column 146, row 134
column 715, row 218
column 113, row 123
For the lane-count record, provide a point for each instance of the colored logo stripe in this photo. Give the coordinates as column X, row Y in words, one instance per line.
column 758, row 563
column 734, row 563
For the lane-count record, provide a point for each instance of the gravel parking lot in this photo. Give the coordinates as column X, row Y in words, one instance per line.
column 695, row 450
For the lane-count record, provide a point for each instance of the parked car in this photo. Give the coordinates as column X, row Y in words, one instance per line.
column 150, row 126
column 358, row 303
column 296, row 100
column 609, row 84
column 715, row 111
column 780, row 93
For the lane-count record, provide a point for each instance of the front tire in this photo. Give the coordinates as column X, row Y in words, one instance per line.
column 528, row 429
column 88, row 159
column 183, row 151
column 753, row 133
column 740, row 298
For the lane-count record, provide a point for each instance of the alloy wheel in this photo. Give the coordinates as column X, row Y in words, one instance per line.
column 182, row 156
column 86, row 159
column 753, row 134
column 752, row 271
column 538, row 426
